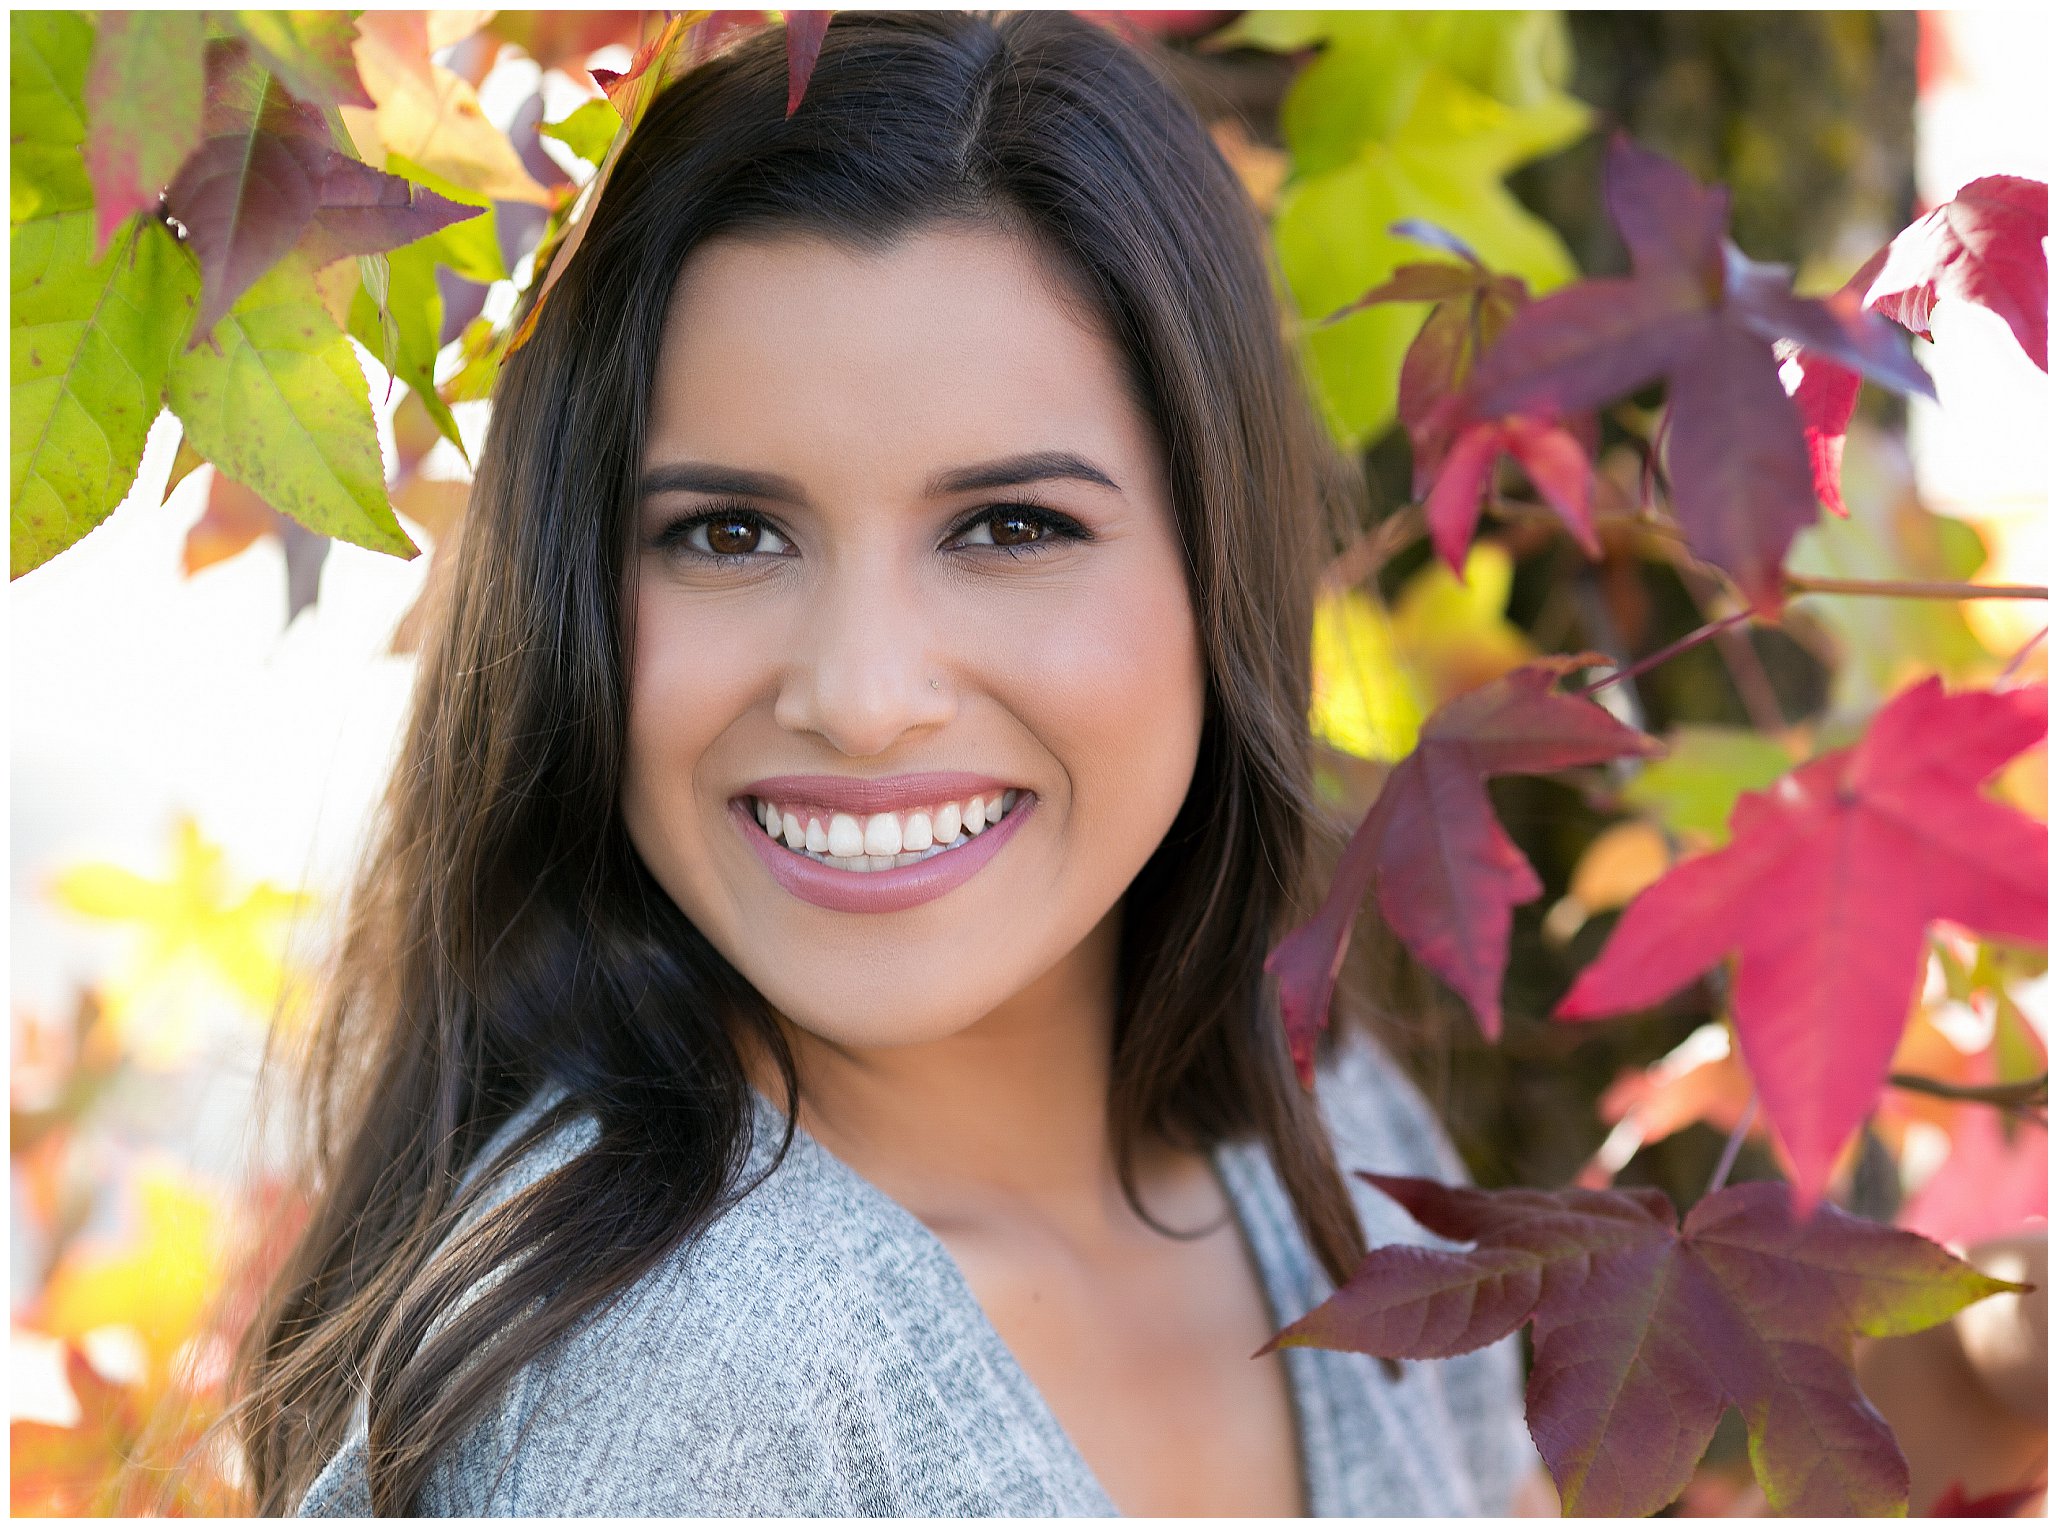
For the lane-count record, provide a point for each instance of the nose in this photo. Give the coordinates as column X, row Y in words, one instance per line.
column 862, row 664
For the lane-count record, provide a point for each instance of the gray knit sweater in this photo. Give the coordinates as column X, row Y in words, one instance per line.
column 815, row 1351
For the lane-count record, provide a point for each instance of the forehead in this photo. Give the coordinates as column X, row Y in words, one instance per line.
column 947, row 340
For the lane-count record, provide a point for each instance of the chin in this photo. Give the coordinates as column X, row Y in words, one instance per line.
column 861, row 1021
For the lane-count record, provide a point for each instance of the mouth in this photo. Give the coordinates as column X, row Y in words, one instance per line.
column 870, row 843
column 880, row 861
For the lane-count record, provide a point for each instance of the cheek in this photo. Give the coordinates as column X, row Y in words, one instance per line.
column 691, row 674
column 1117, row 690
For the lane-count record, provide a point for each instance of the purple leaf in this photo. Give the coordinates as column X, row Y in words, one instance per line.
column 1587, row 345
column 1761, row 298
column 1672, row 224
column 362, row 211
column 244, row 200
column 1742, row 484
column 1423, row 232
column 1647, row 1330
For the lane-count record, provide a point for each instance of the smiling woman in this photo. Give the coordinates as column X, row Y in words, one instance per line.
column 803, row 1043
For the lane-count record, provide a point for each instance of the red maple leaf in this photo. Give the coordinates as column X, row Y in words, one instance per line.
column 1698, row 314
column 1984, row 246
column 1824, row 892
column 1455, row 446
column 1646, row 1331
column 2004, row 1503
column 804, row 33
column 1446, row 873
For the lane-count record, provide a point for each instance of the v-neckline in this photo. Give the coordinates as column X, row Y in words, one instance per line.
column 1300, row 1376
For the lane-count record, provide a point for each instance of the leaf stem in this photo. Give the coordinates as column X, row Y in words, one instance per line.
column 1746, row 669
column 1735, row 1145
column 2022, row 656
column 1650, row 661
column 1915, row 589
column 2029, row 1092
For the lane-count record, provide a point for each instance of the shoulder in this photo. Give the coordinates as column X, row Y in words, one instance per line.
column 1464, row 1412
column 767, row 1365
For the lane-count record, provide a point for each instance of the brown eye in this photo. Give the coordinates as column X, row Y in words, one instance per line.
column 1015, row 530
column 732, row 535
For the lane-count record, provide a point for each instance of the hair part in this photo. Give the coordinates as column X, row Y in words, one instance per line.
column 504, row 934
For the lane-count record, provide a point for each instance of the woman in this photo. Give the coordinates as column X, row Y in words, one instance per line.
column 802, row 1044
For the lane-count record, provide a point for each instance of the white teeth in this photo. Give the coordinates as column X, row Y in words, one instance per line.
column 882, row 835
column 846, row 838
column 884, row 840
column 918, row 835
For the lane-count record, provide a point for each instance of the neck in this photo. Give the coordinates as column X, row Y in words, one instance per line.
column 1005, row 1119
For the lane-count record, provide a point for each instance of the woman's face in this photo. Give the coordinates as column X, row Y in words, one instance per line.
column 905, row 545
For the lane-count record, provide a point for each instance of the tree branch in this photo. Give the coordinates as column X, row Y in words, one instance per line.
column 2028, row 1093
column 1917, row 589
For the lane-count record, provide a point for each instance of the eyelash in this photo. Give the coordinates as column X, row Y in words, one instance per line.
column 1058, row 528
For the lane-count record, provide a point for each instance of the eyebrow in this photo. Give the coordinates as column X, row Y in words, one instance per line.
column 1006, row 472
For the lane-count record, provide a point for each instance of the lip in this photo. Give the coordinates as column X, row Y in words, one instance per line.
column 888, row 793
column 879, row 891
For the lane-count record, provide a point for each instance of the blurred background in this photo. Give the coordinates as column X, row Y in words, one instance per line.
column 205, row 705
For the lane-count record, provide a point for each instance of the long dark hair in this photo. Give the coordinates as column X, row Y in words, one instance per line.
column 504, row 933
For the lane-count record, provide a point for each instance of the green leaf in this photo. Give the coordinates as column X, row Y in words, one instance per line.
column 470, row 248
column 1412, row 115
column 283, row 408
column 46, row 81
column 414, row 306
column 1694, row 787
column 588, row 131
column 92, row 340
column 1884, row 644
column 1276, row 31
column 310, row 53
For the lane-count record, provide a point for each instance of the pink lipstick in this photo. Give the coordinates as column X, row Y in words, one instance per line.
column 876, row 891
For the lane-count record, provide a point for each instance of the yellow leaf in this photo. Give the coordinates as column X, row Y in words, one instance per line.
column 157, row 1281
column 447, row 27
column 198, row 938
column 432, row 116
column 1366, row 702
column 1457, row 636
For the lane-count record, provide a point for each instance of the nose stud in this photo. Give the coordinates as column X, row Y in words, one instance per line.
column 935, row 684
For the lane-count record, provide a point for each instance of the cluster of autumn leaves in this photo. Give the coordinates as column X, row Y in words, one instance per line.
column 210, row 207
column 1816, row 910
